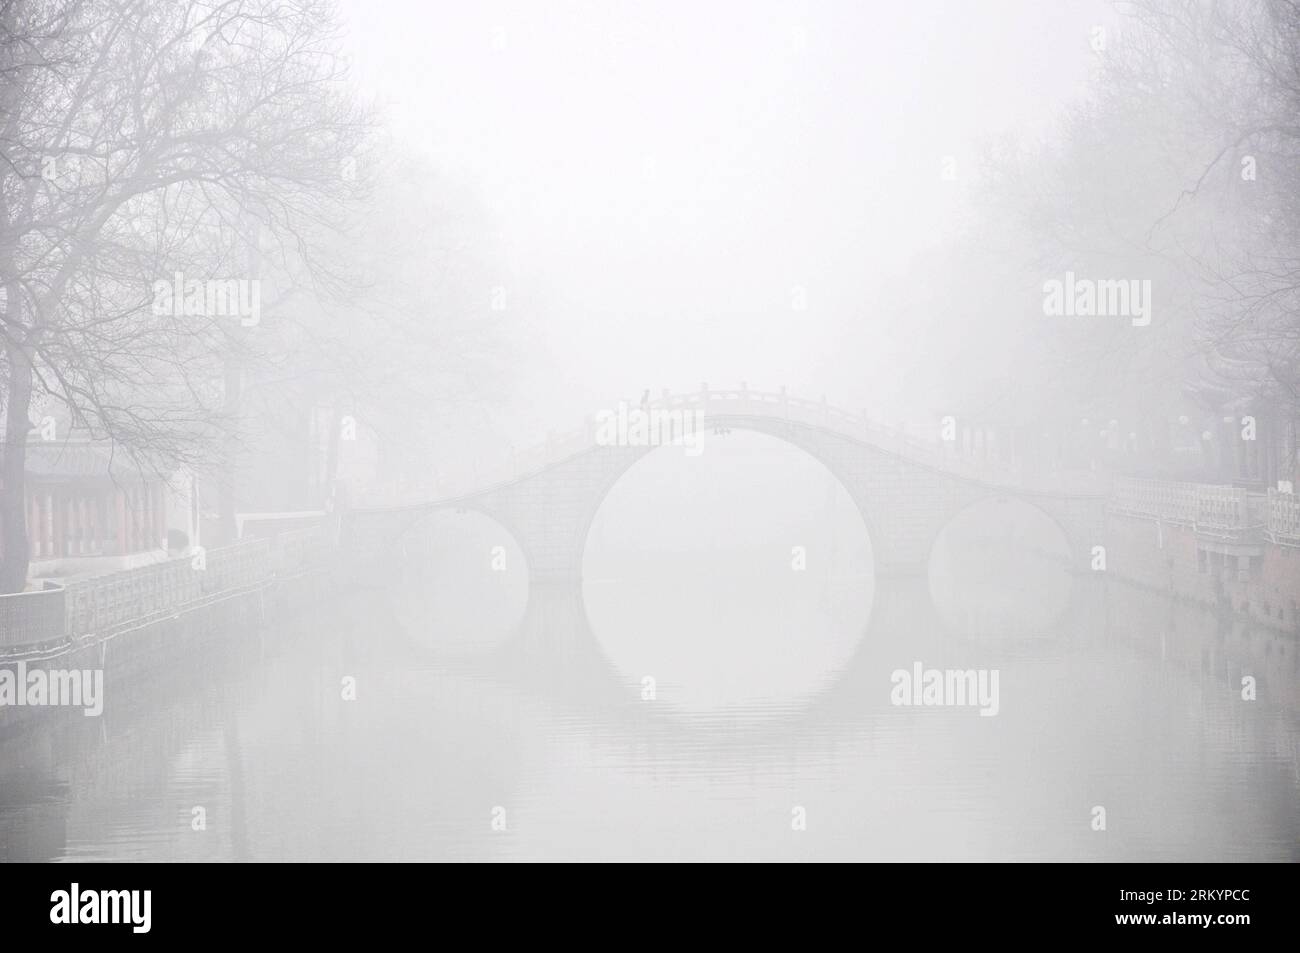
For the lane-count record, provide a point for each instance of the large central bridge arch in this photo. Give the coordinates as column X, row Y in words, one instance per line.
column 792, row 436
column 735, row 578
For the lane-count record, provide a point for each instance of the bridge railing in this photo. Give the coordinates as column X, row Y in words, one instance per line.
column 31, row 618
column 1283, row 518
column 1154, row 499
column 744, row 401
column 299, row 550
column 934, row 453
column 97, row 604
column 1221, row 510
column 1226, row 510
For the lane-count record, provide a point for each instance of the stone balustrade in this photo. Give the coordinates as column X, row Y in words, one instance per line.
column 96, row 605
column 1283, row 518
column 1207, row 508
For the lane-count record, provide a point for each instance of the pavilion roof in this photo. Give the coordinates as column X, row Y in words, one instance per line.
column 79, row 461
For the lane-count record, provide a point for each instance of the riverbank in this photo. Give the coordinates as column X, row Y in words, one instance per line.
column 1259, row 580
column 121, row 627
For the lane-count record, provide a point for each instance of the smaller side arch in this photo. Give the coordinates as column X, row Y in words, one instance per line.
column 461, row 581
column 409, row 534
column 1015, row 605
column 1068, row 535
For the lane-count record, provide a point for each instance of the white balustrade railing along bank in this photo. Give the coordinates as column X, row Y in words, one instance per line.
column 1283, row 517
column 1224, row 510
column 97, row 605
column 746, row 402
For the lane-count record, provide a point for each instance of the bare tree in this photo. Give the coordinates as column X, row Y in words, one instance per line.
column 146, row 148
column 1181, row 166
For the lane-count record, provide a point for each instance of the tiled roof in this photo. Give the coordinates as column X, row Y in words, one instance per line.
column 78, row 460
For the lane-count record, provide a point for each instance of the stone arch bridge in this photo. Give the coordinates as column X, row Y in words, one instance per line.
column 906, row 490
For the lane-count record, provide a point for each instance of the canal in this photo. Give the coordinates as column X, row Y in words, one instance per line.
column 692, row 705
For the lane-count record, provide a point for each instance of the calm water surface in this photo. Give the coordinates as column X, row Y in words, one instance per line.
column 545, row 726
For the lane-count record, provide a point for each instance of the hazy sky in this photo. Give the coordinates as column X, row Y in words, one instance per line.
column 667, row 176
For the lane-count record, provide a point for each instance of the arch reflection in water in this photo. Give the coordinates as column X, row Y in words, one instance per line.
column 463, row 582
column 738, row 577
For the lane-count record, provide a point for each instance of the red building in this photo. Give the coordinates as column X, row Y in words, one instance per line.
column 91, row 509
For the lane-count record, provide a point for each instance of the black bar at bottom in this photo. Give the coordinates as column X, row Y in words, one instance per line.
column 331, row 903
